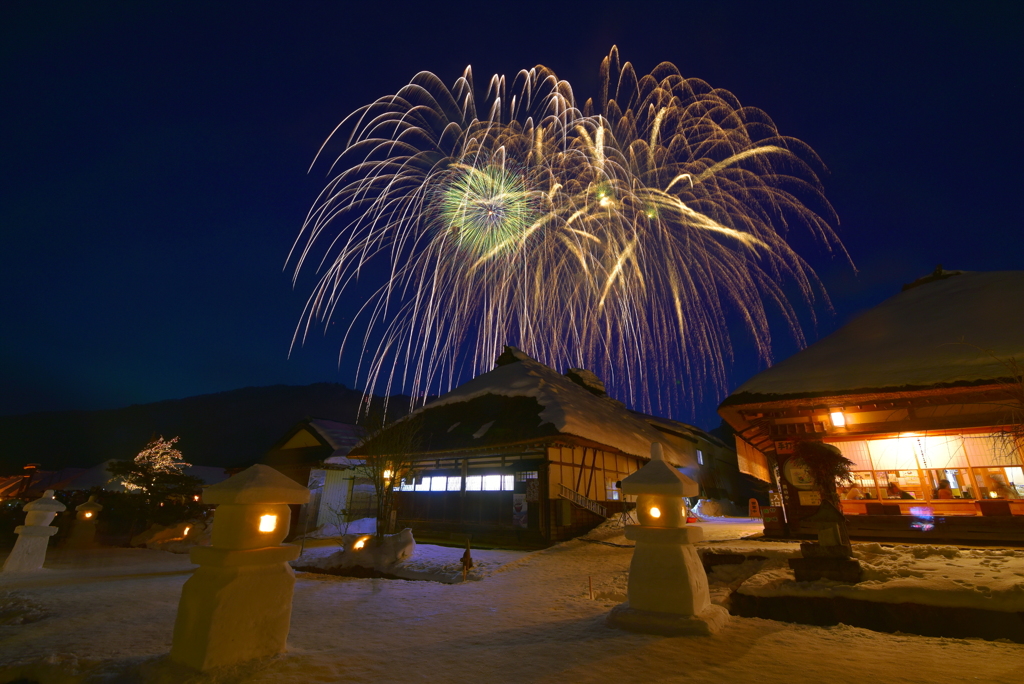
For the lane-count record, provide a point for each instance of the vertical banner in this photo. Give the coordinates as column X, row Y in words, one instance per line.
column 519, row 510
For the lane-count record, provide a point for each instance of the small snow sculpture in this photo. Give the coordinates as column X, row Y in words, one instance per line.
column 668, row 588
column 30, row 550
column 238, row 604
column 83, row 529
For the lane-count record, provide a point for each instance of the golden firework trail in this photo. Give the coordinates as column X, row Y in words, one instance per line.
column 619, row 235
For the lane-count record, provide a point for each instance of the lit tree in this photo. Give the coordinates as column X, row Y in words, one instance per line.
column 156, row 471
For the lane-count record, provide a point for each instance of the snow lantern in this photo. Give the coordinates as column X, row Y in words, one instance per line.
column 88, row 510
column 83, row 529
column 668, row 588
column 238, row 604
column 29, row 551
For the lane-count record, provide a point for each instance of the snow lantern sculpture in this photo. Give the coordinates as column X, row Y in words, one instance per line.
column 238, row 604
column 83, row 530
column 30, row 550
column 668, row 588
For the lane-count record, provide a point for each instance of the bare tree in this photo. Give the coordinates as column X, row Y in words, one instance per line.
column 387, row 448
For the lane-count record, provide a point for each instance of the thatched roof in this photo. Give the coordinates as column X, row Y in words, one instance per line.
column 957, row 329
column 523, row 401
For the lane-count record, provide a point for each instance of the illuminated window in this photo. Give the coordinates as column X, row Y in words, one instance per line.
column 527, row 475
column 838, row 419
column 454, row 484
column 473, row 483
column 611, row 490
column 508, row 482
column 492, row 483
column 438, row 483
column 700, row 457
column 423, row 485
column 407, row 485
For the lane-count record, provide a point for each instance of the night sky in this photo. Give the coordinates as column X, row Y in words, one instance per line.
column 154, row 158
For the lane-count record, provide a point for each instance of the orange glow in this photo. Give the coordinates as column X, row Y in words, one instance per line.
column 268, row 523
column 655, row 512
column 186, row 530
column 88, row 515
column 195, row 498
column 360, row 543
column 838, row 418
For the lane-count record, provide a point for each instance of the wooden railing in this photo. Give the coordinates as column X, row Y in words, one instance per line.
column 582, row 501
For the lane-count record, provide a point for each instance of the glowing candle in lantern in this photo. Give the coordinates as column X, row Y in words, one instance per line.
column 268, row 523
column 655, row 512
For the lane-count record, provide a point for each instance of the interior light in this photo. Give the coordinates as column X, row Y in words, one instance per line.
column 838, row 418
column 387, row 474
column 268, row 523
column 655, row 512
column 195, row 498
column 992, row 495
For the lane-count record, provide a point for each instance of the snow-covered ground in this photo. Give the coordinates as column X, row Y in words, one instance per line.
column 107, row 616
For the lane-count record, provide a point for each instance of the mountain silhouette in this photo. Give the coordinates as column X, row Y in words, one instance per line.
column 226, row 429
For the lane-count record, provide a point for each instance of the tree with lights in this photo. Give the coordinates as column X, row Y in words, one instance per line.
column 156, row 472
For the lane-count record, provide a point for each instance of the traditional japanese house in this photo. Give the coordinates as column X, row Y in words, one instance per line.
column 923, row 393
column 313, row 454
column 523, row 453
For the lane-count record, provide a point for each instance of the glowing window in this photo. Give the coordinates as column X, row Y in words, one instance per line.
column 454, row 484
column 423, row 485
column 492, row 483
column 406, row 486
column 700, row 457
column 838, row 419
column 438, row 483
column 508, row 482
column 527, row 475
column 268, row 523
column 474, row 483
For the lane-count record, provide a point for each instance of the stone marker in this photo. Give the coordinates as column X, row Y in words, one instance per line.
column 832, row 556
column 238, row 604
column 668, row 588
column 83, row 529
column 30, row 550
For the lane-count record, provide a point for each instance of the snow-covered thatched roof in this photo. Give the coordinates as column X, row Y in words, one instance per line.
column 521, row 400
column 946, row 330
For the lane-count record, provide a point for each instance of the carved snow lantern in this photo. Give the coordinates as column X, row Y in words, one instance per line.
column 668, row 588
column 29, row 551
column 237, row 606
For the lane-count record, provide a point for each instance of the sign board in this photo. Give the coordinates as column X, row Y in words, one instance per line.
column 519, row 507
column 773, row 521
column 783, row 448
column 774, row 499
column 753, row 509
column 812, row 498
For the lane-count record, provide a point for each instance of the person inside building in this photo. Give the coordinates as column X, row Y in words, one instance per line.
column 944, row 491
column 1001, row 489
column 854, row 493
column 895, row 492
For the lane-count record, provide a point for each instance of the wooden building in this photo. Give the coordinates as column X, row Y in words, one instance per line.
column 922, row 391
column 525, row 454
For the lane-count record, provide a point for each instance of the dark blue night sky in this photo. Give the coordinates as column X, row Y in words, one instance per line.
column 154, row 158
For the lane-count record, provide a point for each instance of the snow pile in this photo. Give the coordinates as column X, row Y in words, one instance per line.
column 176, row 538
column 359, row 551
column 987, row 579
column 331, row 531
column 409, row 561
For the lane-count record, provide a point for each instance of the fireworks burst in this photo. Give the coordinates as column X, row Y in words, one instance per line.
column 619, row 235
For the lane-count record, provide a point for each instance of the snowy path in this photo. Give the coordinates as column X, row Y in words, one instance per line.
column 530, row 620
